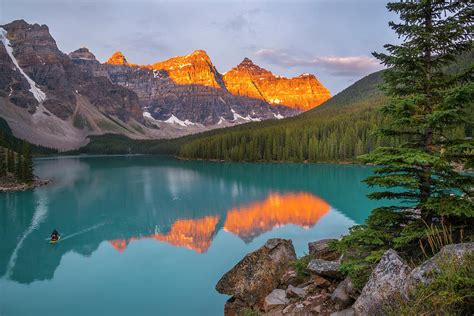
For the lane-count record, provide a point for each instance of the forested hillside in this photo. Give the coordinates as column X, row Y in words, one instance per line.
column 16, row 144
column 338, row 130
column 323, row 134
column 342, row 128
column 15, row 165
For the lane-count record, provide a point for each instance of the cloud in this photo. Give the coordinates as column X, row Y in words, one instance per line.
column 242, row 21
column 345, row 66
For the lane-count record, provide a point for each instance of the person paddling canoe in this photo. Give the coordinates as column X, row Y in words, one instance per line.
column 54, row 235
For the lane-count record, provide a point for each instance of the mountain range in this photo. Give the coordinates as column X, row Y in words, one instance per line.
column 58, row 100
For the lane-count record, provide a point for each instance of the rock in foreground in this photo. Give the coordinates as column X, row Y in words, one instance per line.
column 385, row 284
column 325, row 268
column 257, row 274
column 320, row 250
column 427, row 271
column 342, row 295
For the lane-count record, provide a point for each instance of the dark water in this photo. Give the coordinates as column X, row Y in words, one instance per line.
column 152, row 235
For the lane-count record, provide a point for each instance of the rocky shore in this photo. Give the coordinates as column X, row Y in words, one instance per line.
column 272, row 281
column 13, row 186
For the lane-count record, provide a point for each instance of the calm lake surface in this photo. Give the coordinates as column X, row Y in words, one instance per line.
column 152, row 235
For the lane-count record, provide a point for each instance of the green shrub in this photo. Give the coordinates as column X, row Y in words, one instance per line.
column 301, row 267
column 450, row 293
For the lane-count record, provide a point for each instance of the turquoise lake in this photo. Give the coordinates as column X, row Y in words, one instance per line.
column 147, row 235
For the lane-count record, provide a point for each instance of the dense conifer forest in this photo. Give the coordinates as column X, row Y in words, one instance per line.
column 338, row 130
column 16, row 144
column 15, row 165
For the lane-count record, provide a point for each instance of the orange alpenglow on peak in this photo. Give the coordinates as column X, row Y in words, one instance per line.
column 119, row 244
column 252, row 220
column 195, row 68
column 193, row 234
column 303, row 92
column 117, row 59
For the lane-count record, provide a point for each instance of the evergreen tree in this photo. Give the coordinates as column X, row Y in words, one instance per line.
column 27, row 164
column 18, row 167
column 3, row 157
column 10, row 161
column 428, row 103
column 3, row 162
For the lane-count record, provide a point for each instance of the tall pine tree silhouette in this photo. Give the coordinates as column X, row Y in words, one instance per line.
column 428, row 101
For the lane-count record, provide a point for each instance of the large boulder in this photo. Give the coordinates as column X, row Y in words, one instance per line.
column 258, row 273
column 385, row 284
column 427, row 271
column 325, row 268
column 320, row 250
column 343, row 294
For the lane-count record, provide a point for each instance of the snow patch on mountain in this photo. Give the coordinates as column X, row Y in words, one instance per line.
column 148, row 116
column 39, row 95
column 278, row 116
column 221, row 120
column 275, row 101
column 174, row 120
column 247, row 118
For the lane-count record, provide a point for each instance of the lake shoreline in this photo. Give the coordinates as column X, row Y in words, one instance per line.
column 158, row 214
column 458, row 167
column 14, row 186
column 272, row 280
column 275, row 162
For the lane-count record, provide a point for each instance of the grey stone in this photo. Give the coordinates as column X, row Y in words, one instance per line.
column 385, row 284
column 293, row 291
column 427, row 271
column 325, row 268
column 275, row 299
column 345, row 312
column 341, row 294
column 289, row 277
column 320, row 250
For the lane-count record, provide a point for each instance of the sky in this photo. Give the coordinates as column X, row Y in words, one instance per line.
column 332, row 39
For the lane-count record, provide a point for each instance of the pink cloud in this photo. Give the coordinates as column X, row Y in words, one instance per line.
column 336, row 65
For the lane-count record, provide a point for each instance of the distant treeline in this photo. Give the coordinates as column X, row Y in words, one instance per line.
column 15, row 165
column 326, row 137
column 16, row 144
column 113, row 144
column 339, row 130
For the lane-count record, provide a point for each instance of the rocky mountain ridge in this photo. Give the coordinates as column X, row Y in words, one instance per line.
column 301, row 93
column 57, row 100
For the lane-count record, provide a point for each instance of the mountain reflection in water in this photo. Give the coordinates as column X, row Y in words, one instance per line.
column 193, row 234
column 250, row 221
column 247, row 221
column 163, row 229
